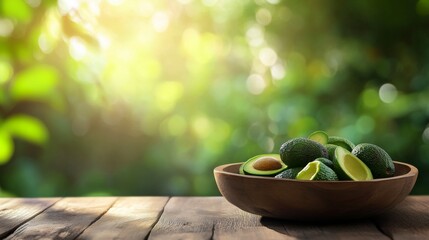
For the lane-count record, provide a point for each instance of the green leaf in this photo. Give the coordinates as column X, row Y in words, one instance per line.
column 27, row 128
column 6, row 146
column 16, row 9
column 35, row 83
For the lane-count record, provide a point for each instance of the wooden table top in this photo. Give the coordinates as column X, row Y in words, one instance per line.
column 189, row 218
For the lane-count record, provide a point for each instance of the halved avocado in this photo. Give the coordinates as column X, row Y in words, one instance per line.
column 319, row 136
column 264, row 165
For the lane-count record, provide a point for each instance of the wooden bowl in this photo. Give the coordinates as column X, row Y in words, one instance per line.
column 314, row 200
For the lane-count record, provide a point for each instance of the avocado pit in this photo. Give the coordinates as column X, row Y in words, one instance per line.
column 267, row 164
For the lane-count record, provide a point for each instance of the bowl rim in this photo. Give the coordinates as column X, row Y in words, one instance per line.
column 221, row 170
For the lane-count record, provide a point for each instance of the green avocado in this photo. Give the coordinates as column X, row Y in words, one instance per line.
column 264, row 165
column 331, row 150
column 376, row 158
column 342, row 142
column 289, row 173
column 297, row 152
column 325, row 161
column 318, row 171
column 319, row 136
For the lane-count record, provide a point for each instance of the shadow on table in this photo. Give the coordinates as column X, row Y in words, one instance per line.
column 324, row 230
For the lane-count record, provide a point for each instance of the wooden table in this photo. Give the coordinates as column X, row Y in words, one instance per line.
column 189, row 218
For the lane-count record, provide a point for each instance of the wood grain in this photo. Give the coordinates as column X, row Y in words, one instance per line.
column 363, row 229
column 129, row 218
column 234, row 223
column 215, row 218
column 237, row 224
column 409, row 220
column 190, row 218
column 187, row 218
column 15, row 212
column 66, row 219
column 208, row 218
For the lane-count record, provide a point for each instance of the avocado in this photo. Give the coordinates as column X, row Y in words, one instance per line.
column 376, row 158
column 289, row 173
column 349, row 167
column 297, row 152
column 342, row 142
column 331, row 151
column 241, row 170
column 325, row 161
column 319, row 136
column 316, row 170
column 264, row 165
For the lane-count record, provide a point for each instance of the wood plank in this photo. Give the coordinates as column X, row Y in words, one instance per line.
column 129, row 218
column 207, row 217
column 237, row 224
column 186, row 218
column 15, row 212
column 240, row 224
column 358, row 229
column 215, row 218
column 66, row 219
column 409, row 220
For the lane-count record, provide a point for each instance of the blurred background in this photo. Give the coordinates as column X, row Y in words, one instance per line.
column 115, row 97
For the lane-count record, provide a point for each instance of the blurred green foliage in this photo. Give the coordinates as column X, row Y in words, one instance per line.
column 147, row 97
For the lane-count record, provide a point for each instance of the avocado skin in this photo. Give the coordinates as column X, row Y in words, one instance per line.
column 297, row 152
column 376, row 158
column 326, row 161
column 289, row 173
column 325, row 173
column 331, row 150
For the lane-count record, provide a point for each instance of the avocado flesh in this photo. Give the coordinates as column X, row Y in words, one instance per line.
column 319, row 136
column 249, row 165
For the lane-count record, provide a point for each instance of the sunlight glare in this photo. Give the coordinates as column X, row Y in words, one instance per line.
column 104, row 41
column 273, row 1
column 278, row 71
column 77, row 48
column 255, row 36
column 267, row 56
column 65, row 6
column 160, row 21
column 115, row 2
column 184, row 2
